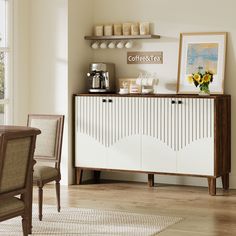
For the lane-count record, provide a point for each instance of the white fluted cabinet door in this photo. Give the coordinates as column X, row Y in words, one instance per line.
column 124, row 139
column 195, row 139
column 158, row 135
column 168, row 135
column 91, row 126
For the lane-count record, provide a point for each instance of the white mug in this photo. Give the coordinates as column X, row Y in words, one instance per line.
column 103, row 45
column 150, row 81
column 120, row 44
column 111, row 45
column 128, row 44
column 95, row 45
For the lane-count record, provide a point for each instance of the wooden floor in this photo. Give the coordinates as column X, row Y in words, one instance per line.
column 203, row 215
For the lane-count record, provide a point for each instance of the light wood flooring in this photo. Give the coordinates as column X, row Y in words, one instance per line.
column 204, row 215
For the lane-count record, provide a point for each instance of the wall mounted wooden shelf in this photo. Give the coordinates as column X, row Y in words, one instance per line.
column 122, row 37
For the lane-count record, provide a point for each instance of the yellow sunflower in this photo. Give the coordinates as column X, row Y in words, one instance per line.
column 190, row 79
column 201, row 81
column 197, row 77
column 206, row 78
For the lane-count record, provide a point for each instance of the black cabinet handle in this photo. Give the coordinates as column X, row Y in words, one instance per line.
column 104, row 100
column 180, row 102
column 109, row 100
column 173, row 102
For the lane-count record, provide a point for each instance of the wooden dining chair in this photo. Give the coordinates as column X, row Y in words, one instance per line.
column 47, row 153
column 17, row 146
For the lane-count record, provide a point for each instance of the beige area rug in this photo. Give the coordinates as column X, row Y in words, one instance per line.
column 81, row 221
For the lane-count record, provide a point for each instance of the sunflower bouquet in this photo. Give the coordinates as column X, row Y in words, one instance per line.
column 202, row 80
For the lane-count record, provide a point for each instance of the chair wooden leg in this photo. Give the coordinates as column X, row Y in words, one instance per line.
column 30, row 212
column 25, row 226
column 58, row 195
column 27, row 216
column 40, row 203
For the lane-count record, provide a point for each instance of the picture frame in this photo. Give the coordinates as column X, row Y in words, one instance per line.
column 201, row 51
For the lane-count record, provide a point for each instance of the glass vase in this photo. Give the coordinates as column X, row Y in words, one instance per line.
column 204, row 93
column 204, row 90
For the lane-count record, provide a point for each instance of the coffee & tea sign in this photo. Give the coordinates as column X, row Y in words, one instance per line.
column 144, row 57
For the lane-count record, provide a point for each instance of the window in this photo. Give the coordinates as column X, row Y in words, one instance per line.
column 5, row 62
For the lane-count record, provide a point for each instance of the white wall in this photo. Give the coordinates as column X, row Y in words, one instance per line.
column 170, row 18
column 59, row 59
column 52, row 57
column 21, row 61
column 43, row 83
column 80, row 23
column 48, row 66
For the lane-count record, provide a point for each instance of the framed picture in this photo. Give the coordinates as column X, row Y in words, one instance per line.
column 200, row 53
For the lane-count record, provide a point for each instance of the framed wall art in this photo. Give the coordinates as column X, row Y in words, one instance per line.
column 201, row 54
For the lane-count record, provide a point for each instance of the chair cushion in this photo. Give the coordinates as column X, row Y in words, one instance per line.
column 44, row 172
column 46, row 141
column 10, row 205
column 15, row 164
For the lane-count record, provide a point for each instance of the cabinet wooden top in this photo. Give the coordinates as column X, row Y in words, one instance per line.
column 216, row 96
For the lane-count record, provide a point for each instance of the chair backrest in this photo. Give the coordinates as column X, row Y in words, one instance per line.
column 17, row 146
column 49, row 142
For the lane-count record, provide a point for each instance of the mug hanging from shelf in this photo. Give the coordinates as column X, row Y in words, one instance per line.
column 103, row 45
column 95, row 45
column 129, row 44
column 111, row 45
column 120, row 44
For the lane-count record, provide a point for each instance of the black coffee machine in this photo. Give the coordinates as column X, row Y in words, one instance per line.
column 101, row 78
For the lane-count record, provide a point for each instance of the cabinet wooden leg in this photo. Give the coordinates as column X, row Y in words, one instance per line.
column 79, row 175
column 96, row 175
column 225, row 181
column 212, row 186
column 150, row 180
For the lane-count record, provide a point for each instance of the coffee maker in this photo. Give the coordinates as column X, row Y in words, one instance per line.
column 101, row 77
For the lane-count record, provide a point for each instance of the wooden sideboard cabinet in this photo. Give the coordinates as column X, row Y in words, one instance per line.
column 165, row 134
